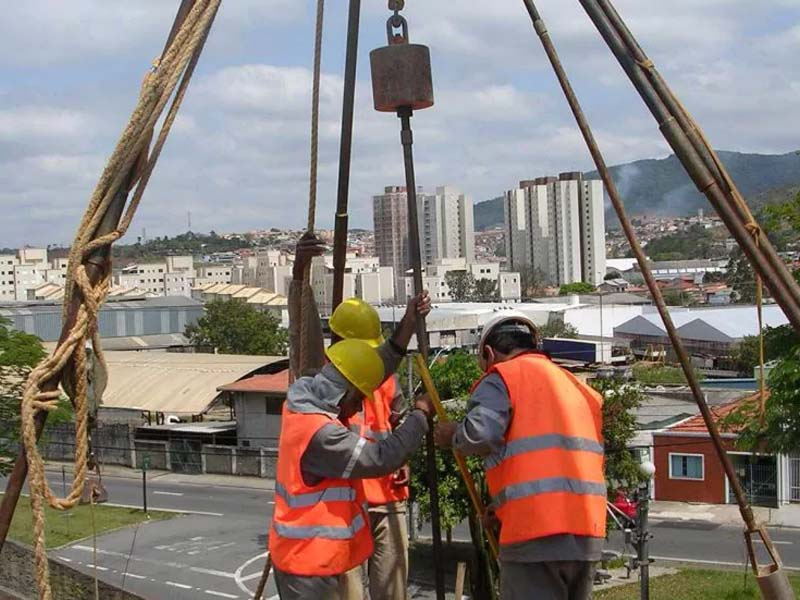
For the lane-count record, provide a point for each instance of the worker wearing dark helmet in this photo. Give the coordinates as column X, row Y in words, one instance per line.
column 539, row 431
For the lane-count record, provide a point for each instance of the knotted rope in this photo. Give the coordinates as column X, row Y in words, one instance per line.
column 127, row 166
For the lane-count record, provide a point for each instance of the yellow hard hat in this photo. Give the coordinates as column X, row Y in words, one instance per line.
column 355, row 319
column 360, row 364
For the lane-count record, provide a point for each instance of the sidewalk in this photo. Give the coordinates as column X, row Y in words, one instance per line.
column 170, row 478
column 724, row 514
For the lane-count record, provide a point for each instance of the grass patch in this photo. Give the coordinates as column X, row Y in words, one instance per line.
column 697, row 585
column 67, row 527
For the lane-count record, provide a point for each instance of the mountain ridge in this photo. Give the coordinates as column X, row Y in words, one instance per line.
column 661, row 186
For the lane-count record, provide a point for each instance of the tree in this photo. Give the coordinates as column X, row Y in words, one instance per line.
column 576, row 288
column 461, row 285
column 557, row 328
column 454, row 378
column 778, row 344
column 235, row 327
column 778, row 429
column 19, row 353
column 620, row 400
column 486, row 290
column 532, row 282
column 741, row 277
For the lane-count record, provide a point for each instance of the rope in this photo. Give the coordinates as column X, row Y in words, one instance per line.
column 127, row 165
column 313, row 168
column 751, row 225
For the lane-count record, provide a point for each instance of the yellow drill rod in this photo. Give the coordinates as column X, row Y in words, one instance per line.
column 477, row 504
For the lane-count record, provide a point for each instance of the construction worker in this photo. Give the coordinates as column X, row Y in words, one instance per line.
column 334, row 456
column 386, row 496
column 539, row 430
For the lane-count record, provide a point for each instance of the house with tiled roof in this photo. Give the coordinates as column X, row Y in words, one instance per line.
column 688, row 469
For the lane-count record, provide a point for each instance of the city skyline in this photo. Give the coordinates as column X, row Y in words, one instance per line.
column 242, row 136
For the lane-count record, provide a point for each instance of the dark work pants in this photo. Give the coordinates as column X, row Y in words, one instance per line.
column 556, row 580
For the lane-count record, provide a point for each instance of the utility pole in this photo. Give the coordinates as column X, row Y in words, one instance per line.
column 145, row 465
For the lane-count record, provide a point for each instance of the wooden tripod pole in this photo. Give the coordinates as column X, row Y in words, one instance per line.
column 472, row 489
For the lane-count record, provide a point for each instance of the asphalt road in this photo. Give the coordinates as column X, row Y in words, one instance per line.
column 218, row 551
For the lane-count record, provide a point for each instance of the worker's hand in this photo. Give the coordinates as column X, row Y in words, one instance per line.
column 443, row 434
column 307, row 248
column 491, row 522
column 425, row 404
column 418, row 307
column 403, row 476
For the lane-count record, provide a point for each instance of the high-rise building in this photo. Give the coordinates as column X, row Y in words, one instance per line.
column 390, row 218
column 447, row 228
column 557, row 227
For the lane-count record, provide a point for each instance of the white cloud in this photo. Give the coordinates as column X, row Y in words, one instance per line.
column 238, row 155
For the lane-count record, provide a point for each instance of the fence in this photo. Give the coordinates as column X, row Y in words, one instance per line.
column 116, row 444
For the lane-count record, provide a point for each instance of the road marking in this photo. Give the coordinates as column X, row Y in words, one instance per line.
column 196, row 539
column 98, row 567
column 183, row 586
column 228, row 545
column 238, row 575
column 220, row 594
column 212, row 572
column 135, row 576
column 776, row 542
column 65, row 559
column 249, row 577
column 710, row 562
column 168, row 510
column 167, row 494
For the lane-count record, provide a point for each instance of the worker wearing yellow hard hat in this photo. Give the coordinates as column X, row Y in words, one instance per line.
column 386, row 496
column 321, row 530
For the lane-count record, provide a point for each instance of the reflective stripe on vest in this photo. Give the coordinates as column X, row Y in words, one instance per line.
column 548, row 478
column 548, row 486
column 373, row 424
column 543, row 442
column 332, row 494
column 331, row 533
column 318, row 530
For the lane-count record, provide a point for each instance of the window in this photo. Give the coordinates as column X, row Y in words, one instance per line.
column 687, row 466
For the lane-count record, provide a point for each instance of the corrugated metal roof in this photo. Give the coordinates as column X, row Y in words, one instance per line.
column 174, row 382
column 728, row 324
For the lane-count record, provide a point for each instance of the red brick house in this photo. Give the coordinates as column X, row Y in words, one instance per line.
column 688, row 470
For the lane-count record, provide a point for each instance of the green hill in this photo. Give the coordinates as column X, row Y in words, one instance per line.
column 661, row 186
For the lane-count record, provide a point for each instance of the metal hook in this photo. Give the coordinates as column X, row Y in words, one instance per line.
column 397, row 22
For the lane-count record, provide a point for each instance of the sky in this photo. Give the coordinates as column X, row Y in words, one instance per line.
column 238, row 155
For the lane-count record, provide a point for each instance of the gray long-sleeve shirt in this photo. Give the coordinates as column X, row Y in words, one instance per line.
column 482, row 433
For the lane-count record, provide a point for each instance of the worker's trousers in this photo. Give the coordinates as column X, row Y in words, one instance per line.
column 556, row 580
column 349, row 586
column 388, row 566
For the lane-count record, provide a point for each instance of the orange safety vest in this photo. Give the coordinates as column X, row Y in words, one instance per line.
column 548, row 479
column 321, row 530
column 373, row 424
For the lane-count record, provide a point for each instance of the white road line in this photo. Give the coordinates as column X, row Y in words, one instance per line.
column 167, row 494
column 98, row 567
column 250, row 577
column 196, row 539
column 220, row 594
column 228, row 545
column 776, row 542
column 135, row 576
column 709, row 562
column 183, row 586
column 212, row 572
column 65, row 559
column 169, row 510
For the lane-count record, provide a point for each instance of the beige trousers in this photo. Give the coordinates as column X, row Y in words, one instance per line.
column 388, row 565
column 350, row 586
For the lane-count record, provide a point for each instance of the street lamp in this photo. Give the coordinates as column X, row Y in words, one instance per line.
column 643, row 536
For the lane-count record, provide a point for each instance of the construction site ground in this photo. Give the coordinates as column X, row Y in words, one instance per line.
column 216, row 547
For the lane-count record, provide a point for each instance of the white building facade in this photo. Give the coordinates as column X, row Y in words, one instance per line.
column 447, row 226
column 557, row 227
